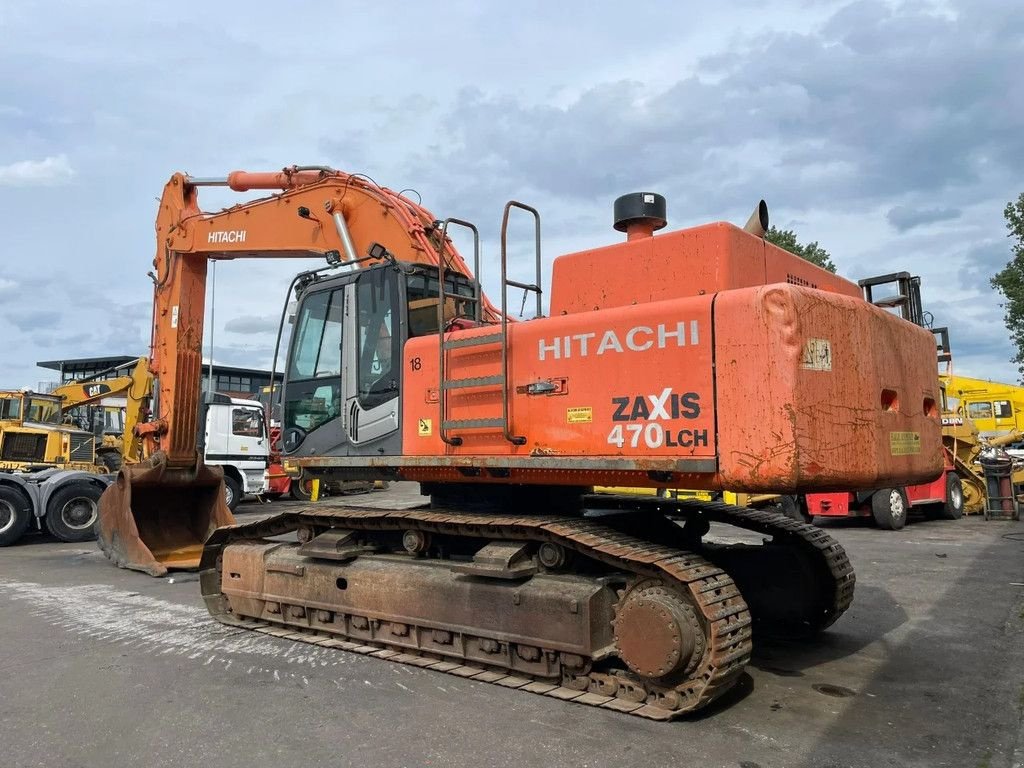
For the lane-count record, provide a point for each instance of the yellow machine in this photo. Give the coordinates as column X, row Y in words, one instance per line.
column 111, row 424
column 33, row 437
column 996, row 409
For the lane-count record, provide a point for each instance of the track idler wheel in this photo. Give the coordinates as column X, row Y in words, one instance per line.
column 657, row 633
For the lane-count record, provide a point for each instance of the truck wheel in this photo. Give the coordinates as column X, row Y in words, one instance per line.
column 954, row 506
column 72, row 511
column 232, row 492
column 301, row 489
column 111, row 460
column 889, row 507
column 15, row 515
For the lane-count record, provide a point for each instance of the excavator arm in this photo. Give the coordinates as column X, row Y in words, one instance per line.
column 318, row 213
column 159, row 513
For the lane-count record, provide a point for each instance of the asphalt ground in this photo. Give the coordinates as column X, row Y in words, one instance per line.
column 106, row 667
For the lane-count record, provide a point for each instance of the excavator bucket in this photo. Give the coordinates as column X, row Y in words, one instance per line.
column 154, row 518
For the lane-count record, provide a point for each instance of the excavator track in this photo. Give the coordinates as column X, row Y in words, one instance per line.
column 656, row 578
column 828, row 564
column 655, row 574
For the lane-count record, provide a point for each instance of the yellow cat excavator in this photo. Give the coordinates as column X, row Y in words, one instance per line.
column 116, row 425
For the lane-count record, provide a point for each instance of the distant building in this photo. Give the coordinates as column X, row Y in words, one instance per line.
column 229, row 379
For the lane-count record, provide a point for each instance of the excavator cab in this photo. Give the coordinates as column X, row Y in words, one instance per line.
column 344, row 372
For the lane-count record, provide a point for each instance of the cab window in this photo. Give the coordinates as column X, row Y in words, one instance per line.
column 422, row 297
column 314, row 372
column 246, row 422
column 317, row 349
column 1003, row 409
column 43, row 411
column 379, row 343
column 979, row 410
column 10, row 408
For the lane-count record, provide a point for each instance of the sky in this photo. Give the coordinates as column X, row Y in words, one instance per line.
column 892, row 133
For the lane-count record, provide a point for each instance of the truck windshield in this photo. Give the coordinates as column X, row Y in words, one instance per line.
column 10, row 408
column 43, row 410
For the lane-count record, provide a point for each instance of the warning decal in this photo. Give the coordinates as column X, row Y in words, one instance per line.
column 426, row 427
column 579, row 415
column 817, row 355
column 904, row 443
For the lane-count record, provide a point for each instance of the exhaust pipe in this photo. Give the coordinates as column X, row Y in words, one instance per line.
column 757, row 224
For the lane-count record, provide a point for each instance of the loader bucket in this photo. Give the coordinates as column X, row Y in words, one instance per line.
column 154, row 518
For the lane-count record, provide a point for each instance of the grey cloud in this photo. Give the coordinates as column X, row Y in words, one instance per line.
column 57, row 339
column 33, row 320
column 882, row 101
column 244, row 355
column 982, row 263
column 253, row 324
column 904, row 217
column 979, row 341
column 887, row 104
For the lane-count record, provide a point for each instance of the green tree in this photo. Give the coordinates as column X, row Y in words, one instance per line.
column 1010, row 281
column 812, row 252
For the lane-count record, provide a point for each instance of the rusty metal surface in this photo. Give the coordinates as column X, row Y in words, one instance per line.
column 154, row 518
column 656, row 631
column 424, row 604
column 703, row 609
column 547, row 462
column 723, row 617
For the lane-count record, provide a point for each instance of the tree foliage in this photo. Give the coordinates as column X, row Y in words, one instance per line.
column 812, row 252
column 1010, row 281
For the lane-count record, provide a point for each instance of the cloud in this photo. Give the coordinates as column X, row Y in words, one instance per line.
column 981, row 264
column 244, row 355
column 837, row 113
column 250, row 324
column 50, row 171
column 812, row 116
column 40, row 320
column 904, row 217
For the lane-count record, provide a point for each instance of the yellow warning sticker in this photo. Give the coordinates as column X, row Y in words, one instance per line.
column 426, row 427
column 904, row 443
column 579, row 415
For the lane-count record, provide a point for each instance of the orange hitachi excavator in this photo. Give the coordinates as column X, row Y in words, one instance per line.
column 703, row 358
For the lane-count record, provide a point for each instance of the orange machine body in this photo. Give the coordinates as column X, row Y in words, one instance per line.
column 702, row 358
column 688, row 370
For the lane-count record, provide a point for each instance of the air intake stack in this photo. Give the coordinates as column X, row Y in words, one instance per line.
column 640, row 214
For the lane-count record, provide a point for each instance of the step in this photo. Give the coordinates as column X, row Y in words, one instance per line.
column 474, row 424
column 473, row 341
column 476, row 381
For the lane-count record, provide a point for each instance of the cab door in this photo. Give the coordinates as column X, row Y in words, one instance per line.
column 372, row 370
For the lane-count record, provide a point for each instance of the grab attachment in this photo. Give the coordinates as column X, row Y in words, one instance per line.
column 154, row 518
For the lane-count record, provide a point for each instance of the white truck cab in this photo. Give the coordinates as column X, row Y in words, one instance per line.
column 237, row 439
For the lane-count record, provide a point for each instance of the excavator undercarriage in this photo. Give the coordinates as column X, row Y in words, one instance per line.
column 584, row 607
